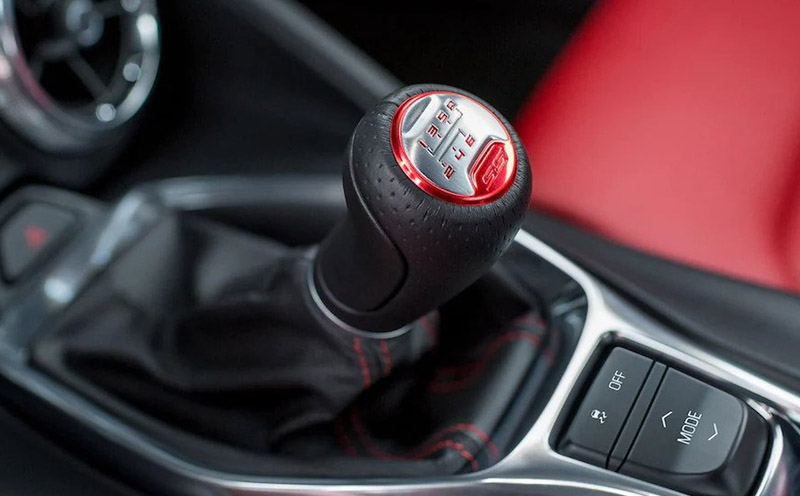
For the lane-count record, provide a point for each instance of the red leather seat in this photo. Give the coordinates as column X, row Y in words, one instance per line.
column 673, row 126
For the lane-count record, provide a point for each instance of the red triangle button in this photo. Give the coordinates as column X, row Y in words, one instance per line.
column 35, row 236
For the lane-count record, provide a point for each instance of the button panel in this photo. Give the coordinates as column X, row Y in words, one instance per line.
column 677, row 431
column 637, row 416
column 693, row 425
column 599, row 419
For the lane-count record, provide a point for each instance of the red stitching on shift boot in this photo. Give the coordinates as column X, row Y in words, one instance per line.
column 342, row 438
column 495, row 346
column 473, row 370
column 421, row 452
column 362, row 360
column 528, row 319
column 552, row 346
column 387, row 358
column 365, row 439
column 462, row 450
column 430, row 328
column 485, row 439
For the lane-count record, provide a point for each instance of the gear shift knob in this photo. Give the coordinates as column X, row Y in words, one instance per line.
column 437, row 184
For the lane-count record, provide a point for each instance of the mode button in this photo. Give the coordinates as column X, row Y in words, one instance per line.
column 699, row 440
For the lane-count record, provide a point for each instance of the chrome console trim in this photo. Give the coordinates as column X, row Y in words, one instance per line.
column 533, row 467
column 324, row 310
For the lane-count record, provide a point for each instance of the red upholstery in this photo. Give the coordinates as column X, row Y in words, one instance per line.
column 674, row 126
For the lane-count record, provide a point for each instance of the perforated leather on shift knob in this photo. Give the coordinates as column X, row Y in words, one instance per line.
column 437, row 183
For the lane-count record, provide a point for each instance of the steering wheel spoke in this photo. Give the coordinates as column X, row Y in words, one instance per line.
column 87, row 75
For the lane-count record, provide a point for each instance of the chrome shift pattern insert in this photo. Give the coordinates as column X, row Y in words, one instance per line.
column 436, row 143
column 449, row 143
column 533, row 467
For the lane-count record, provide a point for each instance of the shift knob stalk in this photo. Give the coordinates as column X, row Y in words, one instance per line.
column 436, row 184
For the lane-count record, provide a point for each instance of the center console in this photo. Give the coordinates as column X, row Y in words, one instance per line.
column 618, row 403
column 404, row 331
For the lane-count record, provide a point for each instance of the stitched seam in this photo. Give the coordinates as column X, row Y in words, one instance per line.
column 430, row 329
column 343, row 439
column 419, row 453
column 362, row 361
column 461, row 427
column 474, row 370
column 551, row 349
column 460, row 448
column 387, row 358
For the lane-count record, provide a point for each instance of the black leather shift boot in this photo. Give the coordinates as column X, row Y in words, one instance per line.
column 209, row 334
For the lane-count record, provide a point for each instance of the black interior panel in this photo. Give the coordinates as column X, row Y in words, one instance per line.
column 229, row 100
column 30, row 465
column 498, row 50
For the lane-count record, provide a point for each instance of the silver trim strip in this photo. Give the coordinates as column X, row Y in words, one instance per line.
column 323, row 308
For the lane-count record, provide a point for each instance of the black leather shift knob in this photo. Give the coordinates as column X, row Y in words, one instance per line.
column 437, row 184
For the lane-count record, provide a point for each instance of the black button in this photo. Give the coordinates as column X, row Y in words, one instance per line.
column 30, row 235
column 698, row 439
column 599, row 419
column 635, row 419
